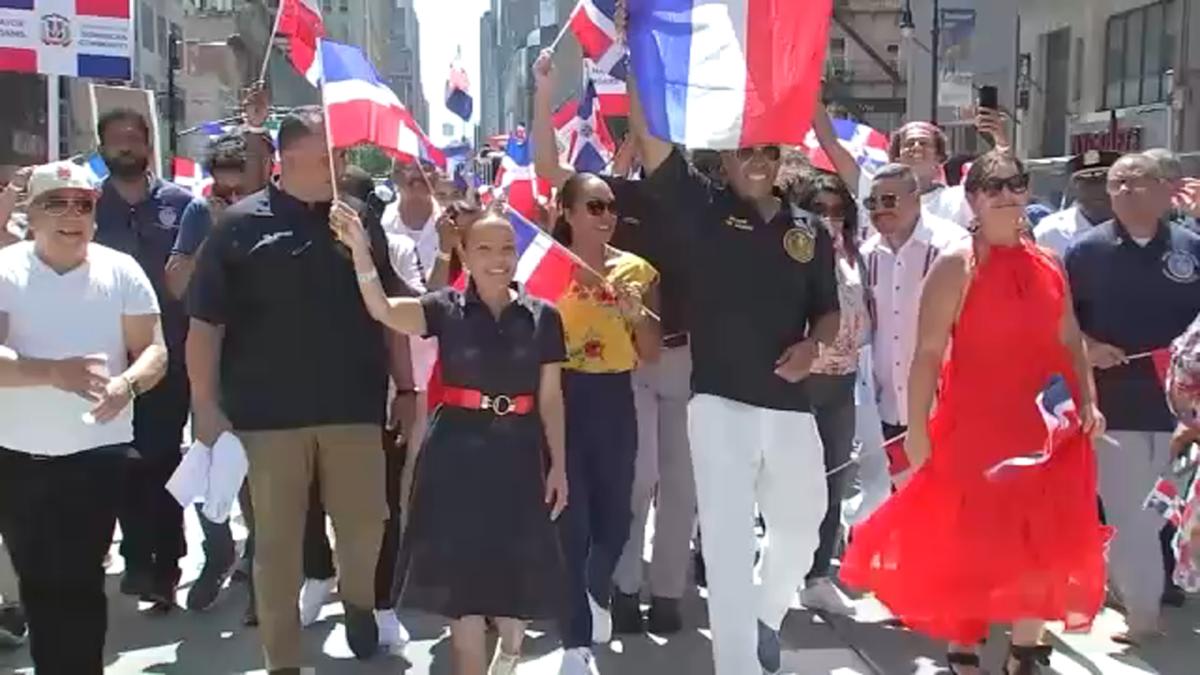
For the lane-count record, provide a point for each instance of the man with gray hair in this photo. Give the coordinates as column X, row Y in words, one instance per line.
column 898, row 256
column 1186, row 197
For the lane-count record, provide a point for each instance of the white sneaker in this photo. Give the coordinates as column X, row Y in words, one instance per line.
column 314, row 595
column 392, row 633
column 602, row 626
column 822, row 595
column 578, row 661
column 504, row 663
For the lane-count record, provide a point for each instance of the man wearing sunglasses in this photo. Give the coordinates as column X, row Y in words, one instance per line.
column 898, row 257
column 80, row 339
column 1089, row 174
column 1135, row 281
column 139, row 214
column 763, row 296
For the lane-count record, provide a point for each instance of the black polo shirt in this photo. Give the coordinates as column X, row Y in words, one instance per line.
column 755, row 288
column 300, row 348
column 1138, row 298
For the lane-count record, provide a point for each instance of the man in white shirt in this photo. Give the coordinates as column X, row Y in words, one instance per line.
column 415, row 212
column 1092, row 206
column 81, row 338
column 898, row 257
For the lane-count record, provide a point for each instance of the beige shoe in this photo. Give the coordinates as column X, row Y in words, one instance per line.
column 503, row 663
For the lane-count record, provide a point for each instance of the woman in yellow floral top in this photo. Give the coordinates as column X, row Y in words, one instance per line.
column 609, row 328
column 831, row 384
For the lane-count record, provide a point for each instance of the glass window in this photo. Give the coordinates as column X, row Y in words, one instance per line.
column 1114, row 62
column 162, row 35
column 1077, row 76
column 1133, row 58
column 1155, row 63
column 146, row 26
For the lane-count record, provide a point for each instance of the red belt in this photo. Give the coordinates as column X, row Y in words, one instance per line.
column 499, row 404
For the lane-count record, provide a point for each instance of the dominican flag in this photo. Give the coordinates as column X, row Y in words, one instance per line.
column 76, row 38
column 583, row 138
column 1061, row 417
column 516, row 177
column 300, row 20
column 191, row 176
column 868, row 146
column 458, row 92
column 594, row 24
column 360, row 108
column 612, row 93
column 1165, row 501
column 724, row 74
column 1162, row 363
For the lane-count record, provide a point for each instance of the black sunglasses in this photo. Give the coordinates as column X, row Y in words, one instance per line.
column 771, row 152
column 1018, row 185
column 597, row 207
column 887, row 200
column 58, row 207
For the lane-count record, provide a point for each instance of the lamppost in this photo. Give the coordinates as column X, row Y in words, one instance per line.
column 907, row 28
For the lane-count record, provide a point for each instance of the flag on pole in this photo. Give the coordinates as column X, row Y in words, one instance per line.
column 516, row 177
column 1165, row 501
column 583, row 138
column 595, row 27
column 191, row 176
column 360, row 108
column 301, row 21
column 458, row 92
column 1061, row 417
column 868, row 146
column 1162, row 363
column 724, row 74
column 612, row 93
column 76, row 38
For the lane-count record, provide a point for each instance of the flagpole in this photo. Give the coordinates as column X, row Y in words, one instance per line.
column 262, row 73
column 562, row 32
column 328, row 134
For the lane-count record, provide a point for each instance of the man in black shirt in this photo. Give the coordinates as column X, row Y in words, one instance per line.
column 763, row 295
column 282, row 352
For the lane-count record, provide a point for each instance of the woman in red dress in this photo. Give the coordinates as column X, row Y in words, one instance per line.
column 962, row 547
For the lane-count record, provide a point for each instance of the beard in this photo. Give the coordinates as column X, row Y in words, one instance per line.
column 125, row 165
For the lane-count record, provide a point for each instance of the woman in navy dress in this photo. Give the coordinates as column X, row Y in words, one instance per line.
column 491, row 474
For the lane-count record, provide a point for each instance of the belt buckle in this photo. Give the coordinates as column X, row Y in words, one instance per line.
column 499, row 405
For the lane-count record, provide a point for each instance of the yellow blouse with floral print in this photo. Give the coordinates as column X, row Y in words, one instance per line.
column 599, row 339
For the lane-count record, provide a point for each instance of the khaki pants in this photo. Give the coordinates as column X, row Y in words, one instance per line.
column 349, row 461
column 10, row 593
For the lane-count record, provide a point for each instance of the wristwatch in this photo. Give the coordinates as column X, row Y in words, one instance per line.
column 134, row 390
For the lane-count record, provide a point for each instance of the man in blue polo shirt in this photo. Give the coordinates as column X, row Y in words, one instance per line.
column 1136, row 287
column 139, row 214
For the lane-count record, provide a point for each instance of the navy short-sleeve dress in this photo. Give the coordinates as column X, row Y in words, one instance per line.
column 479, row 539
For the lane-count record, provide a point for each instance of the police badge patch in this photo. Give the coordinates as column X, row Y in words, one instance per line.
column 1181, row 267
column 167, row 216
column 800, row 243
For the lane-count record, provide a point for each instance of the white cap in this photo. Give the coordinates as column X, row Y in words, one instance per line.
column 59, row 176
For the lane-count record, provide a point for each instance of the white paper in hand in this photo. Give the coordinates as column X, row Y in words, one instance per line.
column 226, row 474
column 190, row 480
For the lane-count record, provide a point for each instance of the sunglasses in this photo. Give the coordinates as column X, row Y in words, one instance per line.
column 887, row 200
column 597, row 207
column 1018, row 185
column 58, row 207
column 1135, row 185
column 771, row 153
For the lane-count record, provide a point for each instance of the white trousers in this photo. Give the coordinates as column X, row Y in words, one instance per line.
column 1128, row 471
column 743, row 455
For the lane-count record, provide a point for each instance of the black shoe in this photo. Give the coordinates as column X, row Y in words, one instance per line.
column 162, row 591
column 13, row 627
column 626, row 612
column 284, row 671
column 699, row 571
column 218, row 565
column 250, row 618
column 665, row 617
column 1173, row 596
column 137, row 581
column 243, row 570
column 362, row 632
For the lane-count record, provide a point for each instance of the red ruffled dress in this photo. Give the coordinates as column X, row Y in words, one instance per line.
column 954, row 551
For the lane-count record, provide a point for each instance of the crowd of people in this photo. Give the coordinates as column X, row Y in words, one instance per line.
column 742, row 337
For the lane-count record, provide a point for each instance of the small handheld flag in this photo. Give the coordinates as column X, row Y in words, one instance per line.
column 1164, row 500
column 1058, row 411
column 897, row 455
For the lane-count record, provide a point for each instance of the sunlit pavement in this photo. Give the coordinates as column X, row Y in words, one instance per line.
column 186, row 643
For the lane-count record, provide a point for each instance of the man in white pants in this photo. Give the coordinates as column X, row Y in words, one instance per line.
column 762, row 296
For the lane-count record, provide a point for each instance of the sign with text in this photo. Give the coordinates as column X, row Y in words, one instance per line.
column 76, row 38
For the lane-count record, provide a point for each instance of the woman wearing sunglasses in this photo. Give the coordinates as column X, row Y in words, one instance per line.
column 976, row 538
column 608, row 317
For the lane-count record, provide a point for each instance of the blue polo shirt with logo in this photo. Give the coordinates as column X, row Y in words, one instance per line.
column 1138, row 298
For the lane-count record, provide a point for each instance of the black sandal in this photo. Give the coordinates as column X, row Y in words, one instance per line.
column 1029, row 658
column 967, row 659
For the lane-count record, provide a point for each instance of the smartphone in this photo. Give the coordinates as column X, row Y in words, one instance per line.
column 989, row 97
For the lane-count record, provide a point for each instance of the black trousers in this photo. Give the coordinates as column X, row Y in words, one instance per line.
column 832, row 399
column 318, row 554
column 151, row 520
column 57, row 517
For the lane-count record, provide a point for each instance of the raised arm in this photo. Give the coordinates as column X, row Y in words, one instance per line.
column 545, row 143
column 940, row 301
column 842, row 160
column 654, row 151
column 403, row 315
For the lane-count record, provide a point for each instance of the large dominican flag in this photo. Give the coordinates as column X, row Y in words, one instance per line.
column 76, row 38
column 595, row 27
column 725, row 74
column 583, row 138
column 301, row 21
column 612, row 93
column 868, row 146
column 360, row 108
column 458, row 92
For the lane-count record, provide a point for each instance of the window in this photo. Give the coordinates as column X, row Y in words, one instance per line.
column 146, row 26
column 1139, row 49
column 163, row 37
column 344, row 5
column 326, row 6
column 1077, row 76
column 893, row 56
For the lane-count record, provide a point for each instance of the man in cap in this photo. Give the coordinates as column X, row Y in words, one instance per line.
column 1089, row 171
column 80, row 339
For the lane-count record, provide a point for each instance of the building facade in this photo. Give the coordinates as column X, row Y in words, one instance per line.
column 402, row 70
column 864, row 76
column 1110, row 74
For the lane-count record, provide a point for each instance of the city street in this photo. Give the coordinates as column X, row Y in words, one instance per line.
column 185, row 643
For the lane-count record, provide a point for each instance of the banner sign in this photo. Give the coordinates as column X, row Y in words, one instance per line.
column 76, row 38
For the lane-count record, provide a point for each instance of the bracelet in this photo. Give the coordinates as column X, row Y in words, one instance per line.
column 131, row 385
column 368, row 277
